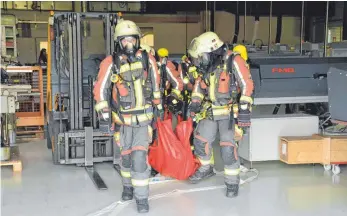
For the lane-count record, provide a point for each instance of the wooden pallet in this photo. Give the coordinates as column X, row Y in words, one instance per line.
column 30, row 133
column 14, row 160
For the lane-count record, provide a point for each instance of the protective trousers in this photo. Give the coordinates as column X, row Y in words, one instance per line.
column 135, row 169
column 204, row 136
column 116, row 146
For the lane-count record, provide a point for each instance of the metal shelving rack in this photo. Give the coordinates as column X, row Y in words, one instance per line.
column 8, row 41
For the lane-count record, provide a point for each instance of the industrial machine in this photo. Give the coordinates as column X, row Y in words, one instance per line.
column 9, row 104
column 291, row 97
column 292, row 80
column 72, row 127
column 30, row 114
column 337, row 91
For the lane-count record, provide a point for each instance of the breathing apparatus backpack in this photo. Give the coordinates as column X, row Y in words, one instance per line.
column 116, row 64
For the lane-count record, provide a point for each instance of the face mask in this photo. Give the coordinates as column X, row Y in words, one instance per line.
column 203, row 62
column 128, row 44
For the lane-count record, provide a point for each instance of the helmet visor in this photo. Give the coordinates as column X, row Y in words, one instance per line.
column 129, row 43
column 128, row 40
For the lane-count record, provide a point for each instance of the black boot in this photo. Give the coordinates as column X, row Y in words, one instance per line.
column 200, row 174
column 142, row 206
column 232, row 190
column 127, row 193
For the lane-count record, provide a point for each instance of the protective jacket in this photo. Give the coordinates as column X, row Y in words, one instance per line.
column 173, row 79
column 219, row 86
column 134, row 88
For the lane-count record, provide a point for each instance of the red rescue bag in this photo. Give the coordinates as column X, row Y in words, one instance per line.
column 171, row 154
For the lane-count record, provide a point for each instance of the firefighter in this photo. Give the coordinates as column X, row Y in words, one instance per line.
column 189, row 73
column 128, row 84
column 221, row 70
column 148, row 49
column 172, row 81
column 242, row 51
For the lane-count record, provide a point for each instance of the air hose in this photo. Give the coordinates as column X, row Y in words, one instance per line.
column 118, row 206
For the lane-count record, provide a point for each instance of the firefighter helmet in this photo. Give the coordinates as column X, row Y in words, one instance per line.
column 205, row 43
column 163, row 52
column 148, row 49
column 126, row 28
column 242, row 50
column 127, row 34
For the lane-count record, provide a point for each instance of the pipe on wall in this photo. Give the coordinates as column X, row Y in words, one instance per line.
column 212, row 17
column 269, row 39
column 278, row 29
column 32, row 22
column 237, row 23
column 344, row 21
column 307, row 26
column 302, row 25
column 326, row 29
column 244, row 24
column 256, row 24
column 206, row 18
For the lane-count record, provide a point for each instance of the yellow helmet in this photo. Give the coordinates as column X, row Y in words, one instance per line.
column 126, row 28
column 205, row 43
column 163, row 52
column 242, row 50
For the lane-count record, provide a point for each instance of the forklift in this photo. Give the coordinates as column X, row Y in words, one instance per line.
column 72, row 126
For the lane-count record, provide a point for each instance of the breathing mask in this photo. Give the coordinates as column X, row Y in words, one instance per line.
column 129, row 44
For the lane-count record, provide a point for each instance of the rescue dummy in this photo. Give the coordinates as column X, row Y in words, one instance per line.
column 128, row 84
column 221, row 72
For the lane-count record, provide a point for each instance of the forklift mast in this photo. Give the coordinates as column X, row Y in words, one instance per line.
column 72, row 130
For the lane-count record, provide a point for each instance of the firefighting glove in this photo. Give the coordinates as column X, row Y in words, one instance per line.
column 238, row 134
column 104, row 114
column 159, row 111
column 244, row 116
column 105, row 125
column 174, row 105
column 195, row 107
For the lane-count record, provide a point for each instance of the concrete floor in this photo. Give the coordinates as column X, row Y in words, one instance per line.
column 48, row 190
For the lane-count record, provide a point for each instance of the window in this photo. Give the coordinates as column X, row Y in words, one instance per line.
column 43, row 45
column 148, row 36
column 335, row 34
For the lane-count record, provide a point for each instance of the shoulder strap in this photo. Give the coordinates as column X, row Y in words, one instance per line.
column 145, row 59
column 116, row 63
column 176, row 65
column 230, row 61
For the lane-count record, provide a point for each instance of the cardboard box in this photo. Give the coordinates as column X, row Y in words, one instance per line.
column 334, row 149
column 313, row 149
column 301, row 149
